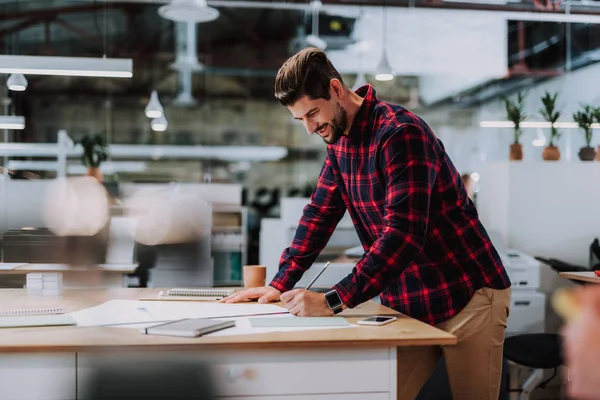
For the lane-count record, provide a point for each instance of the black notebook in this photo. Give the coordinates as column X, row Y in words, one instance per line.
column 192, row 327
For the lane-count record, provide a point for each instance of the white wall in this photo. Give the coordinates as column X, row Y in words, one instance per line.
column 429, row 43
column 543, row 209
column 581, row 86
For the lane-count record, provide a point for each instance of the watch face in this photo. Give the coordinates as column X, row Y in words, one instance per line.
column 333, row 299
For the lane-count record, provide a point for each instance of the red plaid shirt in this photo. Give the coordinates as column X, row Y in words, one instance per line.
column 426, row 251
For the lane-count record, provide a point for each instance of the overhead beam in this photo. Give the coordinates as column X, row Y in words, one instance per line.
column 46, row 13
column 83, row 33
column 21, row 26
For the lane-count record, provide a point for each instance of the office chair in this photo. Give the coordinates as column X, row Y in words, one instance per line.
column 539, row 351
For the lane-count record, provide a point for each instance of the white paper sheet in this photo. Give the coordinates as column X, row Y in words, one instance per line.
column 114, row 312
column 243, row 327
column 135, row 312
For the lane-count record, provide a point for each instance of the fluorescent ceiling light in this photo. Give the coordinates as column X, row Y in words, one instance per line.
column 67, row 66
column 16, row 82
column 12, row 122
column 154, row 109
column 532, row 124
column 145, row 152
column 159, row 124
column 106, row 167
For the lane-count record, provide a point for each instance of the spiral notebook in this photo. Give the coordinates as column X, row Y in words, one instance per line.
column 31, row 311
column 192, row 327
column 181, row 294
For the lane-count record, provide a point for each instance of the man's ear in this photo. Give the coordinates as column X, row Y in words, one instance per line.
column 336, row 88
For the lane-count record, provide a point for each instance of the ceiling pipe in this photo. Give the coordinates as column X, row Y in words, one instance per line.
column 186, row 61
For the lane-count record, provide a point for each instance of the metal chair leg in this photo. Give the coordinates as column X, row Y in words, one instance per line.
column 531, row 383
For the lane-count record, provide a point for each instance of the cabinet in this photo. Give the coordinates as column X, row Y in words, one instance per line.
column 299, row 374
column 229, row 243
column 38, row 376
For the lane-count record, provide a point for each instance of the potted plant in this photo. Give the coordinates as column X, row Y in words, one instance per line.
column 550, row 114
column 95, row 151
column 516, row 114
column 585, row 118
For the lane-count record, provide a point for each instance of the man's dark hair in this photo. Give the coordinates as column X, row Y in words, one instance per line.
column 307, row 73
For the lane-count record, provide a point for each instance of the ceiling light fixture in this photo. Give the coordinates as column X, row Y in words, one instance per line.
column 313, row 39
column 16, row 82
column 384, row 71
column 159, row 124
column 154, row 109
column 188, row 11
column 67, row 66
column 12, row 122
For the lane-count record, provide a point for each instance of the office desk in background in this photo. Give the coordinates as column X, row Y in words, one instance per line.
column 102, row 275
column 53, row 363
column 587, row 276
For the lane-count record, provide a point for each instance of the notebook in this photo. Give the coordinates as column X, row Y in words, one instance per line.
column 180, row 294
column 36, row 320
column 291, row 322
column 34, row 311
column 192, row 327
column 200, row 292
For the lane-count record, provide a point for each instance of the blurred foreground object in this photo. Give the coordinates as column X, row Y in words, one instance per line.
column 151, row 381
column 76, row 206
column 581, row 346
column 168, row 215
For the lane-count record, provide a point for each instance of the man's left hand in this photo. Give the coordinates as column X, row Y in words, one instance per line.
column 304, row 303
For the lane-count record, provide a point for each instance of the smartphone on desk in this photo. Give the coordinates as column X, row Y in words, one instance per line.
column 377, row 320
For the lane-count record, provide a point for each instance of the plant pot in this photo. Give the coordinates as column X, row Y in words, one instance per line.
column 95, row 172
column 587, row 153
column 598, row 154
column 551, row 153
column 516, row 151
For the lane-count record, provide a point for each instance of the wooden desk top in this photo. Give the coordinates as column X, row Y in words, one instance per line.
column 587, row 276
column 403, row 332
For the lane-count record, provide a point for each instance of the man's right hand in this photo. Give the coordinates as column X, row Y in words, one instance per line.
column 264, row 294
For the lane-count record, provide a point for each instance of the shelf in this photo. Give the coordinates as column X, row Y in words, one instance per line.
column 227, row 229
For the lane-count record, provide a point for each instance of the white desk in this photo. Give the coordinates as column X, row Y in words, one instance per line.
column 54, row 363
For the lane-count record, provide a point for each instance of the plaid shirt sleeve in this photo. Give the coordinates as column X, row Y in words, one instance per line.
column 319, row 219
column 409, row 162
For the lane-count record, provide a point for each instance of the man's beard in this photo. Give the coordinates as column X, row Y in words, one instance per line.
column 338, row 125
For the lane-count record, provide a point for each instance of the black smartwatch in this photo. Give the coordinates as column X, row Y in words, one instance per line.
column 334, row 301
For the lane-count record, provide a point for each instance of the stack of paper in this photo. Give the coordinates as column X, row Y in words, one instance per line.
column 44, row 284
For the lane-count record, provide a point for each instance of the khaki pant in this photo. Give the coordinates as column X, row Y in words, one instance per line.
column 474, row 364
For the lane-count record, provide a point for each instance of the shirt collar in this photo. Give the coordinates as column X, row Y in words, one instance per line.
column 360, row 124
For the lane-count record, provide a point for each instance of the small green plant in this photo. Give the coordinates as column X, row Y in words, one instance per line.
column 585, row 118
column 597, row 115
column 95, row 150
column 551, row 115
column 515, row 112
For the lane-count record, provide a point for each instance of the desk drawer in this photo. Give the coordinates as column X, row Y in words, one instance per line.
column 270, row 372
column 524, row 276
column 343, row 396
column 302, row 374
